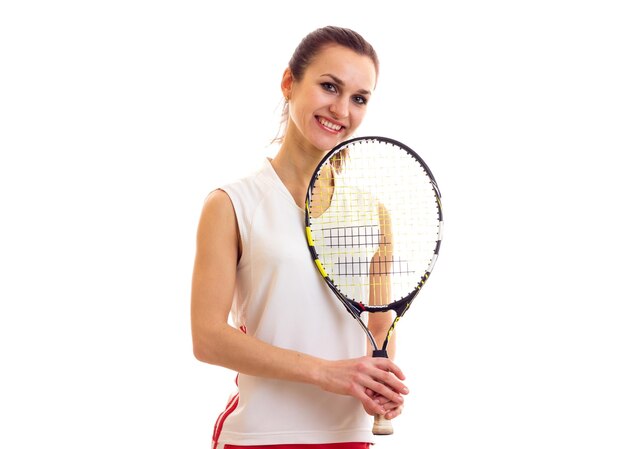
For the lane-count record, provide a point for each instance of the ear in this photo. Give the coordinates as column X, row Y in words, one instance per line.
column 287, row 83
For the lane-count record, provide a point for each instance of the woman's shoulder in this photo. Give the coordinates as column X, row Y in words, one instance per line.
column 252, row 185
column 217, row 206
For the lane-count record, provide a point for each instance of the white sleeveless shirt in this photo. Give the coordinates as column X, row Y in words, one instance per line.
column 281, row 299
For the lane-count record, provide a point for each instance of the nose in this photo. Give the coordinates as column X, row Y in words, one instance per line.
column 339, row 108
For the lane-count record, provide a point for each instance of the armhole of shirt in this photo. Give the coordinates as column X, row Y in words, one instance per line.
column 242, row 230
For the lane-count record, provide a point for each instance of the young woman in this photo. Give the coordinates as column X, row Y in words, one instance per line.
column 304, row 376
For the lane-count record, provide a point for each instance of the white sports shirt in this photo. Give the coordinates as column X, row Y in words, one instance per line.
column 281, row 299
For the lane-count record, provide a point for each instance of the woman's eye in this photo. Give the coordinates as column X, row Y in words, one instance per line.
column 360, row 100
column 330, row 87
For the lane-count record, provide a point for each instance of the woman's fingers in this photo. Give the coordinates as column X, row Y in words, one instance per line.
column 368, row 379
column 392, row 409
column 386, row 384
column 394, row 413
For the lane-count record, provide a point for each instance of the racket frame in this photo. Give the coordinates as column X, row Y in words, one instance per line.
column 356, row 308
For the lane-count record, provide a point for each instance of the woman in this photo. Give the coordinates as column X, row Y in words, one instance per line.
column 304, row 377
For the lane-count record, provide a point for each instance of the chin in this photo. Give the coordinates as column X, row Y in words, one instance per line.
column 332, row 143
column 326, row 141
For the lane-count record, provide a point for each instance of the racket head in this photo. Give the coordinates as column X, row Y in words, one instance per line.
column 374, row 223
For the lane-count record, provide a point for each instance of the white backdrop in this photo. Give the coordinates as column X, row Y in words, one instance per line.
column 117, row 118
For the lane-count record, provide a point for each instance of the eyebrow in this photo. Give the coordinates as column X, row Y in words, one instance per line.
column 342, row 84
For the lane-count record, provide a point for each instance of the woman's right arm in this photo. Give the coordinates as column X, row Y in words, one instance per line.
column 216, row 342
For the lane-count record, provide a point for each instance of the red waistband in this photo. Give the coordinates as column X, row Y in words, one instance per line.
column 305, row 446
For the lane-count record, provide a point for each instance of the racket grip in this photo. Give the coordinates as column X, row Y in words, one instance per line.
column 382, row 426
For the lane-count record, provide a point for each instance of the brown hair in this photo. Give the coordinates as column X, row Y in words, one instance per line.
column 311, row 45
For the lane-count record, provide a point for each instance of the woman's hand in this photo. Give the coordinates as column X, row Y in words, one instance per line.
column 392, row 409
column 375, row 381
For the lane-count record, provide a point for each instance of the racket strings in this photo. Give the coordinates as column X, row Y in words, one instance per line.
column 366, row 235
column 375, row 222
column 352, row 266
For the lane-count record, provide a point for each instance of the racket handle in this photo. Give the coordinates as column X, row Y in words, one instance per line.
column 382, row 426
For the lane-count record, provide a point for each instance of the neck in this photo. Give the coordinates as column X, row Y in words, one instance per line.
column 295, row 166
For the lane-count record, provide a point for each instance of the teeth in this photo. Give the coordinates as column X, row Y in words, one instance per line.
column 330, row 125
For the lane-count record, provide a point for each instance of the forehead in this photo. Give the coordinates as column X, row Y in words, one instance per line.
column 354, row 69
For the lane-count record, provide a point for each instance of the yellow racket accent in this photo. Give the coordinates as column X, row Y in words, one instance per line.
column 321, row 268
column 393, row 327
column 309, row 236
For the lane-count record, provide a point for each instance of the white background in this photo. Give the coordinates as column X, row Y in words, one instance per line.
column 118, row 117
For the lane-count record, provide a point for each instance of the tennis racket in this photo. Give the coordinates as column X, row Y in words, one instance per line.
column 374, row 226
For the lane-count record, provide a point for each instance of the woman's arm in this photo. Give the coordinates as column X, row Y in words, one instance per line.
column 218, row 343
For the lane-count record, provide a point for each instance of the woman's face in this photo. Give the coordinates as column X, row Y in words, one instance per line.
column 328, row 104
